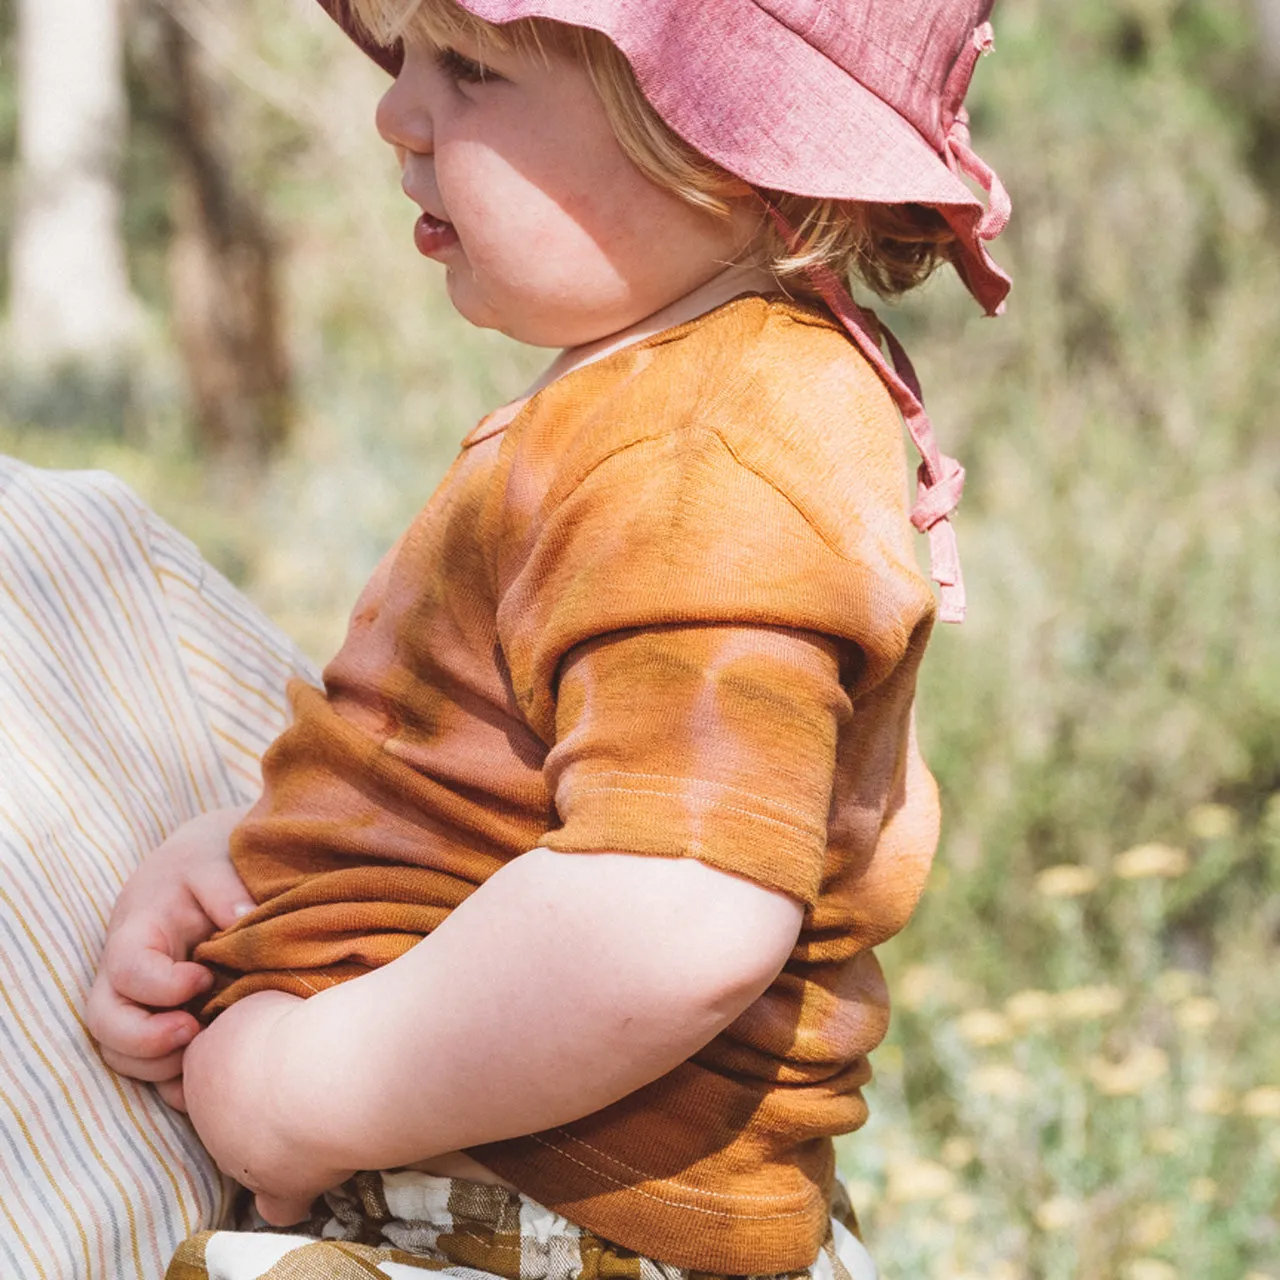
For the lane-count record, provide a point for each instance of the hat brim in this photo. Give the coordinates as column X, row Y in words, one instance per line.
column 805, row 127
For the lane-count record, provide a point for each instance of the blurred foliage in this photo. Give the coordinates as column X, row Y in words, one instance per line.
column 1118, row 685
column 1081, row 1079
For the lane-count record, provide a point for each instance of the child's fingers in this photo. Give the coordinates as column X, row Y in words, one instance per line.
column 220, row 892
column 171, row 1093
column 149, row 1070
column 131, row 1035
column 149, row 976
column 135, row 1036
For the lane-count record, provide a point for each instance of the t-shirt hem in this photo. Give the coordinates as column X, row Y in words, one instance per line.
column 726, row 828
column 668, row 1221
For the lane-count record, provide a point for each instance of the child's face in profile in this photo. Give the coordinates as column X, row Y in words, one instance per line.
column 548, row 231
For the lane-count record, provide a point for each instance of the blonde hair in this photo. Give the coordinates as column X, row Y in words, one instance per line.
column 890, row 247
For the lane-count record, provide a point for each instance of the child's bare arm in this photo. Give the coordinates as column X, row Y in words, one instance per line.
column 182, row 892
column 563, row 983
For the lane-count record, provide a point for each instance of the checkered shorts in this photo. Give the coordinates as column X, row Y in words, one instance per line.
column 398, row 1224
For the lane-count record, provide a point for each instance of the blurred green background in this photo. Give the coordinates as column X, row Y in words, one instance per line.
column 1083, row 1075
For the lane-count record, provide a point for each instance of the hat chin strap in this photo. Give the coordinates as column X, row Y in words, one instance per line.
column 940, row 479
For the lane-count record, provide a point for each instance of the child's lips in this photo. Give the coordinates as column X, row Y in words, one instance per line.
column 432, row 236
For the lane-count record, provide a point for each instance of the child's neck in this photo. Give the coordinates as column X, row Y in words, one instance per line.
column 722, row 288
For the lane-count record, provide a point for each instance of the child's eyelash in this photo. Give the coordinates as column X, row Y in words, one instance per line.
column 458, row 67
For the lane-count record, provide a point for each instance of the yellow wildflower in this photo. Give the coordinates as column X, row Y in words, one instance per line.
column 1211, row 1100
column 1212, row 821
column 1068, row 880
column 1003, row 1270
column 1030, row 1008
column 1152, row 1227
column 1198, row 1013
column 1080, row 1003
column 959, row 1208
column 912, row 1179
column 1142, row 1068
column 917, row 986
column 1148, row 860
column 1262, row 1103
column 1057, row 1213
column 1177, row 984
column 984, row 1027
column 998, row 1080
column 1149, row 1269
column 958, row 1152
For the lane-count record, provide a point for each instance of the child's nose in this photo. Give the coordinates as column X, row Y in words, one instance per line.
column 403, row 120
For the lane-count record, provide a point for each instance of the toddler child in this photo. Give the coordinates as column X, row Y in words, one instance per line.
column 560, row 898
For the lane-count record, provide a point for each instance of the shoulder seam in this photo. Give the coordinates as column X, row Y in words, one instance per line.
column 742, row 377
column 716, row 434
column 779, row 490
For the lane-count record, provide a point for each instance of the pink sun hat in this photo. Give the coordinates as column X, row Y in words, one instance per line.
column 846, row 99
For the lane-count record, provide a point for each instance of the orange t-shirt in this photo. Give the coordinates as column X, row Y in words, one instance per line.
column 671, row 608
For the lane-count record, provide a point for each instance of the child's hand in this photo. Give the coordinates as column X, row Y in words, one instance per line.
column 229, row 1076
column 180, row 895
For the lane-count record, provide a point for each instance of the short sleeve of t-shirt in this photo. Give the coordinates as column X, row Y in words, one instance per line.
column 712, row 742
column 689, row 617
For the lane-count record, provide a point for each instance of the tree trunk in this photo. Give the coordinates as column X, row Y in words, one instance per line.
column 1268, row 13
column 70, row 303
column 223, row 275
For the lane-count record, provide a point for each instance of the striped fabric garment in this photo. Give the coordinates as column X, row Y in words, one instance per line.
column 137, row 689
column 404, row 1223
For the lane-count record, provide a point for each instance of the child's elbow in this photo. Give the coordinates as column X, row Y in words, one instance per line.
column 668, row 940
column 724, row 939
column 746, row 945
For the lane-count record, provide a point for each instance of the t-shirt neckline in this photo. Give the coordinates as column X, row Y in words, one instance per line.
column 496, row 422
